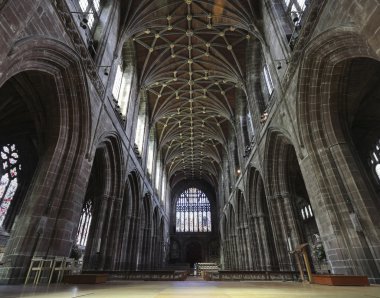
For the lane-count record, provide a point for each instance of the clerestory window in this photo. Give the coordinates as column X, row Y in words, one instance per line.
column 122, row 87
column 91, row 10
column 295, row 8
column 117, row 83
column 9, row 178
column 306, row 212
column 193, row 212
column 375, row 161
column 268, row 79
column 84, row 223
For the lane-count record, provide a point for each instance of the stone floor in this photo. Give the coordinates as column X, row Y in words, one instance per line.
column 189, row 288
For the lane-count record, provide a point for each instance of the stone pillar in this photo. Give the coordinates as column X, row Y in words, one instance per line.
column 263, row 232
column 280, row 231
column 111, row 262
column 133, row 243
column 44, row 227
column 345, row 224
column 255, row 250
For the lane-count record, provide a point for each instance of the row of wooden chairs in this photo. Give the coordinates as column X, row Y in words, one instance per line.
column 52, row 265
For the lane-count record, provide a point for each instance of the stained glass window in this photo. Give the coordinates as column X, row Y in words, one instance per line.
column 9, row 178
column 193, row 212
column 84, row 223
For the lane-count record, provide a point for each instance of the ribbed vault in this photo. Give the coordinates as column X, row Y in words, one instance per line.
column 190, row 62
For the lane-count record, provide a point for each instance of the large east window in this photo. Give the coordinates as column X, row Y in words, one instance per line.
column 9, row 178
column 193, row 212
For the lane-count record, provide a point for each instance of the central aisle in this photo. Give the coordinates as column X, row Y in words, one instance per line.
column 194, row 287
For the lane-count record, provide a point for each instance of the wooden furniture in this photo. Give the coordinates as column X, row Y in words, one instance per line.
column 150, row 275
column 61, row 265
column 224, row 275
column 85, row 278
column 340, row 280
column 38, row 265
column 301, row 251
column 209, row 267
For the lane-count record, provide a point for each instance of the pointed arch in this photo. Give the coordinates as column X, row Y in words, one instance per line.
column 62, row 153
column 325, row 113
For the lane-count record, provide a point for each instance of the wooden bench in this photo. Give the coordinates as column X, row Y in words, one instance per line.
column 150, row 275
column 340, row 280
column 93, row 278
column 250, row 275
column 155, row 275
column 206, row 267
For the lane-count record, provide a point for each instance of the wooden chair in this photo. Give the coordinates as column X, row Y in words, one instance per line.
column 38, row 265
column 61, row 265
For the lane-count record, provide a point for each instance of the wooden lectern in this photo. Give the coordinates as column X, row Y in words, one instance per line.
column 298, row 251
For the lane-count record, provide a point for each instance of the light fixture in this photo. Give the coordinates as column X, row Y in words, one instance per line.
column 83, row 25
column 294, row 16
column 279, row 63
column 84, row 21
column 107, row 69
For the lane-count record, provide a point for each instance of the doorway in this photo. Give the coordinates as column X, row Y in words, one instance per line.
column 193, row 253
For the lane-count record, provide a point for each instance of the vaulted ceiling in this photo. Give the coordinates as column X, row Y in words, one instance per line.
column 191, row 63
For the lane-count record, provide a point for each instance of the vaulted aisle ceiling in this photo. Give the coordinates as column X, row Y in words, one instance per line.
column 190, row 62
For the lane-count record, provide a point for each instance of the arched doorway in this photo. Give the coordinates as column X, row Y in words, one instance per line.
column 194, row 253
column 20, row 143
column 291, row 209
column 99, row 224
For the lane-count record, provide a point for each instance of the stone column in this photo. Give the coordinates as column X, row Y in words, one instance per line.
column 111, row 261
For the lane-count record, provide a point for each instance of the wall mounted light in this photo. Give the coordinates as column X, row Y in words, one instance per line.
column 294, row 16
column 279, row 63
column 83, row 19
column 107, row 69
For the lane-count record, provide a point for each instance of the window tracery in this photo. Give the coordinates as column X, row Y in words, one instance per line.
column 117, row 82
column 122, row 87
column 268, row 79
column 295, row 10
column 91, row 9
column 193, row 212
column 295, row 7
column 9, row 178
column 306, row 212
column 84, row 223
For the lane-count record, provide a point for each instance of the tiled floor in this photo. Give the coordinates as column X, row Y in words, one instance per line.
column 190, row 288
